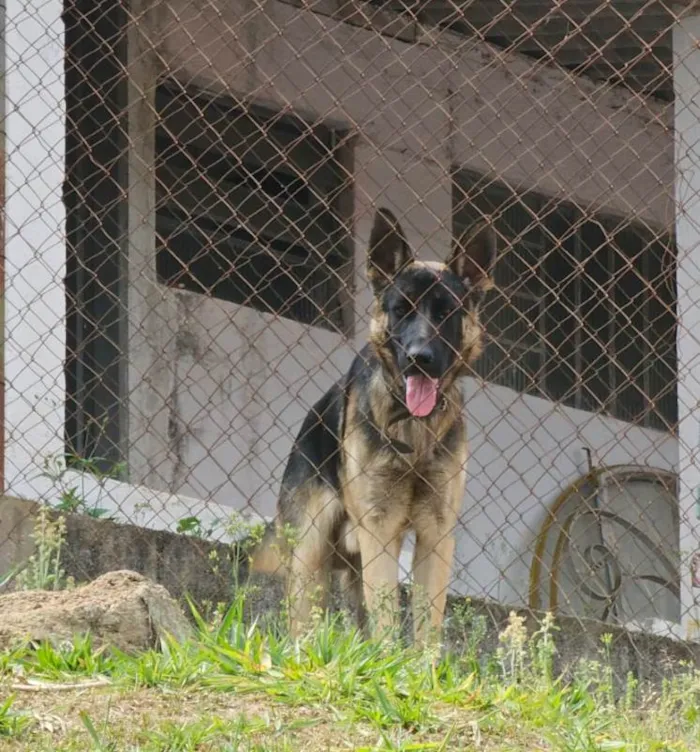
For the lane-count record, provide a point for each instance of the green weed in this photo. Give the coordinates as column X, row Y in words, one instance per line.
column 12, row 723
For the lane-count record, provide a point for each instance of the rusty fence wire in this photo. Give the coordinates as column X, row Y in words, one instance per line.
column 190, row 191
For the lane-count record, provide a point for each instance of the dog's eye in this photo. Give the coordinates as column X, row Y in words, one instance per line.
column 401, row 310
column 443, row 312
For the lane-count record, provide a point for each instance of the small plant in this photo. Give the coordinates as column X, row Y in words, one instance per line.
column 77, row 656
column 512, row 653
column 542, row 648
column 7, row 578
column 12, row 723
column 71, row 503
column 43, row 570
column 470, row 629
column 245, row 533
column 98, row 743
column 631, row 688
column 72, row 498
column 202, row 734
column 607, row 686
column 237, row 528
column 192, row 526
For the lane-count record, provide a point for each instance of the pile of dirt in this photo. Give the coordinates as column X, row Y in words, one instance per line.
column 123, row 609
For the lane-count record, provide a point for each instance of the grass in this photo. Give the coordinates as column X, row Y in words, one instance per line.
column 242, row 688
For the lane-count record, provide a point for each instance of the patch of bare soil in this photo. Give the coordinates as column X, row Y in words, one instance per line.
column 123, row 609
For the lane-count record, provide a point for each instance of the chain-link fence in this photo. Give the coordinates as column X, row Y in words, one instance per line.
column 191, row 190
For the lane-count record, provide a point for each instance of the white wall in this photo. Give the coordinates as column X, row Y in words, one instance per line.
column 233, row 384
column 525, row 452
column 35, row 245
column 242, row 384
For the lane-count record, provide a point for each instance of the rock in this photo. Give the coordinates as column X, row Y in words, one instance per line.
column 123, row 609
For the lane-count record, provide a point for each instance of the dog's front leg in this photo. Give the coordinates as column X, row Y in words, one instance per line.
column 432, row 565
column 435, row 524
column 377, row 509
column 380, row 545
column 307, row 584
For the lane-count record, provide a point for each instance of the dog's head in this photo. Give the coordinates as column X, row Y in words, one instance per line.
column 425, row 328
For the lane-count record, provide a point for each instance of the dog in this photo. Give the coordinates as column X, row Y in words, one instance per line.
column 384, row 451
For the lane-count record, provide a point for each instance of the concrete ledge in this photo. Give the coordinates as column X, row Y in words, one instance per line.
column 183, row 564
column 648, row 657
column 209, row 572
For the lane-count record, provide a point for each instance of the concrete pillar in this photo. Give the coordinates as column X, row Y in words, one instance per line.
column 686, row 80
column 419, row 192
column 151, row 311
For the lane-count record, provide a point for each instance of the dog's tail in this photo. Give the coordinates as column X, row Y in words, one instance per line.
column 267, row 554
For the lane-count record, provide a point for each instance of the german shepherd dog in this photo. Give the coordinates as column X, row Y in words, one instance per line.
column 385, row 449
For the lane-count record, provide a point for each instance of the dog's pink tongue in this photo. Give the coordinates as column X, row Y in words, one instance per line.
column 421, row 395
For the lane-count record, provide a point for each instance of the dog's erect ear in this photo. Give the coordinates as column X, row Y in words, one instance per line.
column 474, row 255
column 388, row 250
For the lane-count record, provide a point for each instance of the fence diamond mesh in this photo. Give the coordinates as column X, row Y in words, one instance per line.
column 191, row 187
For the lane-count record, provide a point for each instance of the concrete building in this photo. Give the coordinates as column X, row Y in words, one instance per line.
column 121, row 168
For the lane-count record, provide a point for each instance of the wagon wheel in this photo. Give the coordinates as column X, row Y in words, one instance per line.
column 609, row 548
